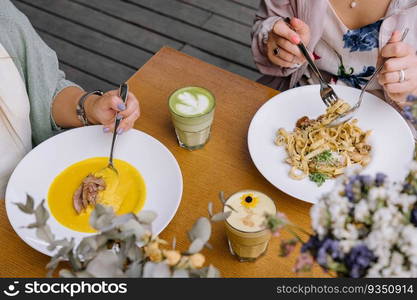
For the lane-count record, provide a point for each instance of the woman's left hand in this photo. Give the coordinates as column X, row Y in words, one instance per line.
column 402, row 58
column 103, row 110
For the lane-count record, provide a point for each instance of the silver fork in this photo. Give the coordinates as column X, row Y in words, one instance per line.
column 327, row 94
column 347, row 116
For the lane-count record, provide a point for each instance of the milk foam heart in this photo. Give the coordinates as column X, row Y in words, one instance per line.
column 189, row 104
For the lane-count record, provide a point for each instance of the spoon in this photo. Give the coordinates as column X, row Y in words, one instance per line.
column 347, row 116
column 123, row 92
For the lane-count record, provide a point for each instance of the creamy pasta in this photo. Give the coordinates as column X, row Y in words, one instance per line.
column 322, row 152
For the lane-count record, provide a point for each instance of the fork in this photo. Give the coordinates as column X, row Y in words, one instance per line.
column 327, row 94
column 347, row 116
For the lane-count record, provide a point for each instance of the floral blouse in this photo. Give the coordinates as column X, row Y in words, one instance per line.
column 350, row 55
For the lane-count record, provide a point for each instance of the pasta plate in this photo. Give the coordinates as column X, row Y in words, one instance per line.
column 391, row 139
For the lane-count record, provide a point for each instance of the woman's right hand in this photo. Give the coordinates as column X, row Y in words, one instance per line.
column 282, row 43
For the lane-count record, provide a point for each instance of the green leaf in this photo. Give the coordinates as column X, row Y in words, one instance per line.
column 133, row 227
column 105, row 265
column 41, row 214
column 44, row 233
column 222, row 216
column 324, row 157
column 212, row 272
column 27, row 208
column 222, row 197
column 196, row 246
column 201, row 230
column 101, row 217
column 180, row 273
column 134, row 270
column 318, row 178
column 210, row 209
column 66, row 274
column 147, row 217
column 156, row 270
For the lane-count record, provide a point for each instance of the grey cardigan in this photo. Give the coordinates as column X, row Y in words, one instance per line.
column 38, row 66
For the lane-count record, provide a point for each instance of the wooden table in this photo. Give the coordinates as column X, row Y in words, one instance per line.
column 223, row 165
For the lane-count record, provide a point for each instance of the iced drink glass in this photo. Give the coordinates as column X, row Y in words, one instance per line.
column 247, row 235
column 192, row 110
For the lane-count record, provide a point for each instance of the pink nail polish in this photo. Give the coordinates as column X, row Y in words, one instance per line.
column 295, row 39
column 106, row 129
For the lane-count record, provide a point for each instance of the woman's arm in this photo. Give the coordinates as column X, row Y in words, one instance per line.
column 98, row 109
column 53, row 99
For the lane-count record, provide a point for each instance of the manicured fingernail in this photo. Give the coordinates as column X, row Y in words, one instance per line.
column 106, row 129
column 295, row 39
column 121, row 106
column 120, row 131
column 119, row 117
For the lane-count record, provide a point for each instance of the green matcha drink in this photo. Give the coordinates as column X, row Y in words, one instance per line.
column 192, row 110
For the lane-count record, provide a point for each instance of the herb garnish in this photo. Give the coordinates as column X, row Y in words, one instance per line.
column 318, row 178
column 324, row 157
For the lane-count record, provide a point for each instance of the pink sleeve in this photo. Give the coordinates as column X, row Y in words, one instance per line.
column 270, row 11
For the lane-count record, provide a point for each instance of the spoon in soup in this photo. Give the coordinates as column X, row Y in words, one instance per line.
column 105, row 180
column 123, row 92
column 348, row 115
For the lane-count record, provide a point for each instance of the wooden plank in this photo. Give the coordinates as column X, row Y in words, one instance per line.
column 199, row 17
column 85, row 37
column 230, row 29
column 176, row 10
column 226, row 8
column 250, row 3
column 182, row 32
column 227, row 65
column 86, row 81
column 93, row 64
column 93, row 19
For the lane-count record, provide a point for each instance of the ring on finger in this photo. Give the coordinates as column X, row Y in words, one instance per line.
column 401, row 73
column 276, row 51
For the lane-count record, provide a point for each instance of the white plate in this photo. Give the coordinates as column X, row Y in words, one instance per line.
column 36, row 171
column 392, row 141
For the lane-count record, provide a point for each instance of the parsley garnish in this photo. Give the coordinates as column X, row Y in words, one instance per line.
column 324, row 157
column 318, row 178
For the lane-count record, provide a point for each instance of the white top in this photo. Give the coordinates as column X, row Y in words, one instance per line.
column 350, row 56
column 15, row 130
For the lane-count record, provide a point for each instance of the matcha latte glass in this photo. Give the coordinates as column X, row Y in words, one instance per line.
column 192, row 110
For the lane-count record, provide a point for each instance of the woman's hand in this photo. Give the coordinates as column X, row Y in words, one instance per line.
column 103, row 110
column 401, row 56
column 282, row 43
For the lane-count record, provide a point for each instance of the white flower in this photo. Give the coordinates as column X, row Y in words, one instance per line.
column 320, row 218
column 362, row 211
column 391, row 238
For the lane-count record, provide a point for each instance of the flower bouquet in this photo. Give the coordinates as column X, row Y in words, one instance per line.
column 365, row 227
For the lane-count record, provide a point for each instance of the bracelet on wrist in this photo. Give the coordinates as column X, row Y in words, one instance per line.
column 81, row 113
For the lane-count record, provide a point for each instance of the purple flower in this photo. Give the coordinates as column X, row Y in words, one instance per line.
column 380, row 179
column 411, row 98
column 304, row 263
column 329, row 247
column 358, row 260
column 414, row 216
column 312, row 245
column 321, row 249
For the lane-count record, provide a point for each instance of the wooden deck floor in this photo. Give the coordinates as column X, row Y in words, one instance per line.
column 101, row 43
